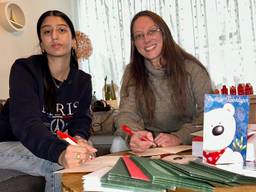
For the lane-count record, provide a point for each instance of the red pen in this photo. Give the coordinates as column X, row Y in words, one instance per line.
column 66, row 137
column 130, row 132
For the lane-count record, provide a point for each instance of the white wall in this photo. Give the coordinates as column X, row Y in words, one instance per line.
column 14, row 45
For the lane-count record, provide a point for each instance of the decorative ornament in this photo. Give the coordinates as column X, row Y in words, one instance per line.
column 83, row 46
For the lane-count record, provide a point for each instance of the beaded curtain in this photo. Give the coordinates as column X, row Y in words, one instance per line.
column 220, row 33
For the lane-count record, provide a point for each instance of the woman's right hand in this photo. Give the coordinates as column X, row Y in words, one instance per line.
column 75, row 155
column 137, row 144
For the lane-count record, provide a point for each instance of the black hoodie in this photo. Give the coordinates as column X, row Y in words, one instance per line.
column 27, row 118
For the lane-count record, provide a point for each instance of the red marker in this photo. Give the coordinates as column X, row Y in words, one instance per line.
column 130, row 132
column 66, row 137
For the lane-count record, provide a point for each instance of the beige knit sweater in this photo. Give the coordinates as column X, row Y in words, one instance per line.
column 165, row 116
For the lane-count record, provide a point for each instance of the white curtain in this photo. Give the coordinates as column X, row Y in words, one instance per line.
column 220, row 33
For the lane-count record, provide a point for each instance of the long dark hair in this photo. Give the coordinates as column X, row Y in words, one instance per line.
column 173, row 56
column 49, row 87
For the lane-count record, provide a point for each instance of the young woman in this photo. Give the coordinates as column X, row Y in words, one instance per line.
column 163, row 88
column 47, row 93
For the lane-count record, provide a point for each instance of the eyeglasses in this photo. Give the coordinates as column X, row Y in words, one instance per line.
column 150, row 33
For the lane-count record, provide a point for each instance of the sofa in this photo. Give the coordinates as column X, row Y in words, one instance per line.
column 15, row 181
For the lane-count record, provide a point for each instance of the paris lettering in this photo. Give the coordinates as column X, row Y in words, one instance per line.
column 63, row 115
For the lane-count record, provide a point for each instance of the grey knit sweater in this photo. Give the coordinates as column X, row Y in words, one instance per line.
column 165, row 117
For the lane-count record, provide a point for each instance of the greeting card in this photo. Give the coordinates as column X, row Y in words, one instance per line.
column 225, row 128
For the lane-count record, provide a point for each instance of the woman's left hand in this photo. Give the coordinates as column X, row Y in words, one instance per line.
column 84, row 143
column 167, row 140
column 137, row 145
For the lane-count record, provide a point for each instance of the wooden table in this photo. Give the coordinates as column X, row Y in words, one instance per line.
column 72, row 182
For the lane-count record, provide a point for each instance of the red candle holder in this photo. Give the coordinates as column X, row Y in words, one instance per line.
column 224, row 90
column 248, row 89
column 232, row 90
column 241, row 89
column 216, row 91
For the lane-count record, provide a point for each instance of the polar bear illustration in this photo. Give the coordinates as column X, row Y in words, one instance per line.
column 219, row 132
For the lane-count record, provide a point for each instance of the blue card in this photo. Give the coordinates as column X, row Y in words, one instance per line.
column 225, row 128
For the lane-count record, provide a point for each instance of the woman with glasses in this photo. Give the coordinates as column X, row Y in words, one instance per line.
column 163, row 89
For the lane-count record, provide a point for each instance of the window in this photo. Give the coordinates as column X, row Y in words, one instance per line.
column 220, row 33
